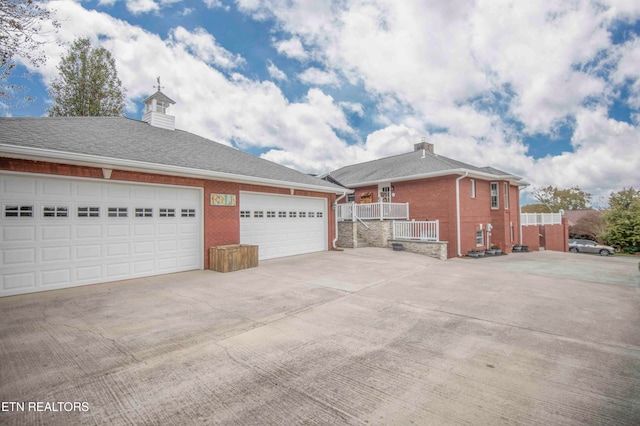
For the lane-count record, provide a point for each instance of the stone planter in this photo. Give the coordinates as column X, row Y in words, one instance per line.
column 491, row 252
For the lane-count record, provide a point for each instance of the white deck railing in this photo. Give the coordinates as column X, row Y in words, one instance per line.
column 540, row 218
column 416, row 230
column 373, row 211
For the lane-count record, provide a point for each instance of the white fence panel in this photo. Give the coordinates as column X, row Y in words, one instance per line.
column 416, row 230
column 373, row 211
column 540, row 218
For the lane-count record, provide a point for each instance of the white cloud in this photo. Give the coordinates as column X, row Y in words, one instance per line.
column 204, row 46
column 213, row 4
column 275, row 72
column 316, row 77
column 456, row 72
column 292, row 48
column 142, row 6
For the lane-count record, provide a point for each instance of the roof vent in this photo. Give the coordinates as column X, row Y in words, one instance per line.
column 155, row 110
column 423, row 145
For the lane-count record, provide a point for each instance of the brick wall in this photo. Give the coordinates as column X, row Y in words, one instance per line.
column 435, row 199
column 221, row 223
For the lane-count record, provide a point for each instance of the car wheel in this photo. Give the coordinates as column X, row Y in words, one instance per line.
column 573, row 250
column 604, row 252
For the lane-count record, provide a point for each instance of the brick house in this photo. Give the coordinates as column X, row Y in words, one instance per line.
column 476, row 206
column 95, row 199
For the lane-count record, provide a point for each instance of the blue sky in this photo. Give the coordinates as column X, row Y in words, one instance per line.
column 549, row 91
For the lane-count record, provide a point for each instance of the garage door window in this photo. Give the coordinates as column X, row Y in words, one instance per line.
column 144, row 212
column 245, row 213
column 55, row 211
column 167, row 212
column 117, row 212
column 258, row 213
column 18, row 211
column 293, row 214
column 271, row 214
column 282, row 214
column 319, row 214
column 88, row 211
column 303, row 214
column 188, row 213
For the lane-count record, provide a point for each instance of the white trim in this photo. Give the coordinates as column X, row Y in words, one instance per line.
column 39, row 154
column 462, row 172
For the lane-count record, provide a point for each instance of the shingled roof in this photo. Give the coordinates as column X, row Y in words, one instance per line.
column 131, row 144
column 413, row 165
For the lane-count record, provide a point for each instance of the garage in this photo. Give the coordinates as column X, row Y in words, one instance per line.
column 283, row 225
column 62, row 232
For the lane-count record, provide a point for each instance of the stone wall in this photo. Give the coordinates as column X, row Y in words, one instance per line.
column 436, row 249
column 380, row 234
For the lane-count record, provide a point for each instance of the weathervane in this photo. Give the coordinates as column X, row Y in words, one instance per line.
column 158, row 86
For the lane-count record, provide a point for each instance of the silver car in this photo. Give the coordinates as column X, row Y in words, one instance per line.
column 588, row 246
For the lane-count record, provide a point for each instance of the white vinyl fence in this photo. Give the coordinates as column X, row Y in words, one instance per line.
column 373, row 211
column 540, row 218
column 416, row 230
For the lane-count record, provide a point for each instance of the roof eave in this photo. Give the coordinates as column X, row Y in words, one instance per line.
column 468, row 172
column 77, row 159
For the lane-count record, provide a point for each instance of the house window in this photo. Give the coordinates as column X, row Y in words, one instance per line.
column 385, row 194
column 351, row 198
column 88, row 211
column 479, row 237
column 167, row 213
column 55, row 211
column 117, row 212
column 506, row 195
column 188, row 213
column 162, row 106
column 494, row 195
column 144, row 212
column 18, row 211
column 473, row 188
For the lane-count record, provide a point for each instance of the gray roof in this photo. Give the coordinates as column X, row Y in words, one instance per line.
column 126, row 139
column 411, row 166
column 160, row 96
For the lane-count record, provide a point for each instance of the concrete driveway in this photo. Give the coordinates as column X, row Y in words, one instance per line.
column 366, row 336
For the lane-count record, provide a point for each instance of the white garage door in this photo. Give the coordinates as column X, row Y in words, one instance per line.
column 62, row 232
column 283, row 225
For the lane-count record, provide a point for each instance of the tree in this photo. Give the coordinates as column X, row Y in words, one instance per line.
column 590, row 226
column 88, row 84
column 566, row 199
column 623, row 220
column 20, row 23
column 535, row 208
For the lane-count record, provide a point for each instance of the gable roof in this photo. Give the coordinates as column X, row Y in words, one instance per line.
column 127, row 144
column 414, row 165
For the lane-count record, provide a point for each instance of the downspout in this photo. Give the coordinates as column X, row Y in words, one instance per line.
column 520, row 213
column 458, row 209
column 335, row 213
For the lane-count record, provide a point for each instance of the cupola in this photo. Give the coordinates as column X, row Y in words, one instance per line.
column 155, row 110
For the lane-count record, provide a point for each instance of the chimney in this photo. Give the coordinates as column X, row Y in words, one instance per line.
column 155, row 110
column 423, row 145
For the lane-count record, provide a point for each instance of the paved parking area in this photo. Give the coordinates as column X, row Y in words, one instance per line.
column 367, row 336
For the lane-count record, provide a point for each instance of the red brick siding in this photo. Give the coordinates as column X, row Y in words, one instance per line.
column 531, row 237
column 221, row 223
column 435, row 199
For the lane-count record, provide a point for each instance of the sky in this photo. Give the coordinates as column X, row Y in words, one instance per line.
column 546, row 90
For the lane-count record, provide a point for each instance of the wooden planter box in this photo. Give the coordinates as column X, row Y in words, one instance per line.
column 233, row 257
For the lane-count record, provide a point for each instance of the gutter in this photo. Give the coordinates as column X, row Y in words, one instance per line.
column 466, row 173
column 335, row 214
column 89, row 160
